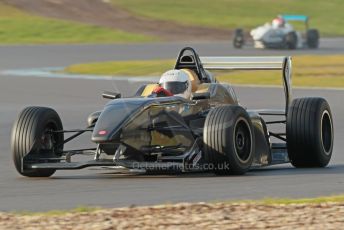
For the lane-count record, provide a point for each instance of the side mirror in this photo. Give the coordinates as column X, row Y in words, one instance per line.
column 111, row 95
column 200, row 96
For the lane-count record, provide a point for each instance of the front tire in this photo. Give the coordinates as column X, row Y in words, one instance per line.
column 309, row 132
column 32, row 135
column 239, row 39
column 228, row 140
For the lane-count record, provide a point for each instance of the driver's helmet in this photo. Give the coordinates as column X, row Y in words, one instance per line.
column 278, row 22
column 177, row 82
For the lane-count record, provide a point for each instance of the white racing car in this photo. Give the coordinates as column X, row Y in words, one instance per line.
column 280, row 34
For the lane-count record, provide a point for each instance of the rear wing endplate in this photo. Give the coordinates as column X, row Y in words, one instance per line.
column 255, row 63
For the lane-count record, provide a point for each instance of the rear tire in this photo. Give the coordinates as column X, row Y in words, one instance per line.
column 309, row 132
column 228, row 140
column 31, row 135
column 291, row 40
column 312, row 38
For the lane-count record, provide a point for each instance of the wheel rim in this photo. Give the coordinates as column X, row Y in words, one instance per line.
column 242, row 140
column 326, row 132
column 49, row 139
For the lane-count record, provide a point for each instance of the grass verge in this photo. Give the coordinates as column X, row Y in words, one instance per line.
column 238, row 13
column 18, row 27
column 80, row 209
column 286, row 201
column 122, row 68
column 308, row 71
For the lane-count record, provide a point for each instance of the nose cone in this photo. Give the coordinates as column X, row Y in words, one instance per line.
column 109, row 123
column 113, row 118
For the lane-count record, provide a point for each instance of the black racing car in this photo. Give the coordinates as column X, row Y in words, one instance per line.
column 210, row 131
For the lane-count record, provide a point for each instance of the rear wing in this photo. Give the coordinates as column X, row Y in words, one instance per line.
column 300, row 18
column 255, row 63
column 289, row 17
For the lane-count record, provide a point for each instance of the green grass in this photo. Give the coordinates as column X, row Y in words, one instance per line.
column 123, row 68
column 327, row 16
column 286, row 201
column 308, row 71
column 18, row 27
column 80, row 209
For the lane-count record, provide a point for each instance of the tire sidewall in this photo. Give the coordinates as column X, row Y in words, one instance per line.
column 313, row 38
column 238, row 40
column 304, row 133
column 219, row 149
column 319, row 150
column 239, row 114
column 291, row 40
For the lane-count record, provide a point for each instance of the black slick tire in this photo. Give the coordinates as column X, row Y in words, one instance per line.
column 31, row 134
column 309, row 132
column 228, row 140
column 312, row 38
column 291, row 40
column 238, row 40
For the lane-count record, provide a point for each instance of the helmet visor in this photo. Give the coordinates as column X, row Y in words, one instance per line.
column 175, row 87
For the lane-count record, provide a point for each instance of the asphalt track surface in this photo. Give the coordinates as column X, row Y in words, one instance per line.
column 74, row 99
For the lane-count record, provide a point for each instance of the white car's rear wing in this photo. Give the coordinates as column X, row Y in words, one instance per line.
column 254, row 63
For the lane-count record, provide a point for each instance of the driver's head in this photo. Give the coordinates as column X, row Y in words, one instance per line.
column 177, row 82
column 278, row 22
